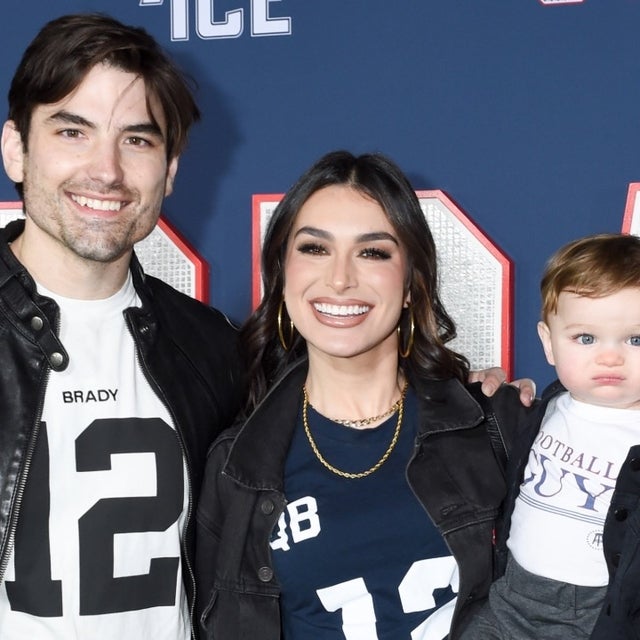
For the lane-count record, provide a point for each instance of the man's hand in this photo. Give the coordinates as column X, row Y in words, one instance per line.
column 492, row 378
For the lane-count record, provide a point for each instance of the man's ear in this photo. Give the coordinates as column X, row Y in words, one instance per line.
column 12, row 152
column 172, row 169
column 545, row 337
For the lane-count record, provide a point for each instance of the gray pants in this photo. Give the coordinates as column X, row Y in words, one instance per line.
column 523, row 606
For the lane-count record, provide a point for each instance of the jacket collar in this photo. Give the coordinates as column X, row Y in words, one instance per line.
column 18, row 289
column 554, row 389
column 13, row 267
column 36, row 316
column 259, row 450
column 445, row 405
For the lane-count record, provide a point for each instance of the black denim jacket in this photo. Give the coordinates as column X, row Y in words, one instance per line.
column 454, row 472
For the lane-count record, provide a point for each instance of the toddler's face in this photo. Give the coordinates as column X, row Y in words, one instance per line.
column 594, row 343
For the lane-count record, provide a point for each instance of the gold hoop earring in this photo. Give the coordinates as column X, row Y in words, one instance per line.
column 404, row 353
column 283, row 342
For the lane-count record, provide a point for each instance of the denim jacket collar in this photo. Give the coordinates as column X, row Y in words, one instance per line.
column 257, row 456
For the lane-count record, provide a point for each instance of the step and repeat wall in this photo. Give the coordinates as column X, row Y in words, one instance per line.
column 517, row 122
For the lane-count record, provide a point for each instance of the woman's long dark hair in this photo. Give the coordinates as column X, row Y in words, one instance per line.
column 378, row 178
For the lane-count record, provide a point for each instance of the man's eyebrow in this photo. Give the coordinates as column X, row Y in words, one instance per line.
column 145, row 127
column 70, row 118
column 67, row 117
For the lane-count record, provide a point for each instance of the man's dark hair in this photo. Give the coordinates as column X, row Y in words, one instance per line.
column 67, row 48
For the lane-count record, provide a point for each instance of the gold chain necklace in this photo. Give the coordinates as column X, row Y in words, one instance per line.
column 363, row 422
column 346, row 474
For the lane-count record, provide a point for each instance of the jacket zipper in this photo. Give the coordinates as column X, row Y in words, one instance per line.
column 22, row 480
column 158, row 391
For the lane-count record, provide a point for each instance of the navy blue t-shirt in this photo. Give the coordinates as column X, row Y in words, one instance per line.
column 359, row 559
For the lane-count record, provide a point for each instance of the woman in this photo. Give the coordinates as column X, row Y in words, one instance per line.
column 358, row 498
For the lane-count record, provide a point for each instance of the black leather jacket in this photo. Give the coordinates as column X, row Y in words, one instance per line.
column 187, row 352
column 456, row 473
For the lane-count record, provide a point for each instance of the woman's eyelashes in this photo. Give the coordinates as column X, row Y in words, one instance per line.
column 315, row 248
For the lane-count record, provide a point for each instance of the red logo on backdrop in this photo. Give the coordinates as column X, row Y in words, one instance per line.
column 631, row 220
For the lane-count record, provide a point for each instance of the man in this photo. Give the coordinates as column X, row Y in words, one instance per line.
column 112, row 384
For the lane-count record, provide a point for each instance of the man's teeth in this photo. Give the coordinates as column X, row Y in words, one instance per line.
column 99, row 205
column 341, row 310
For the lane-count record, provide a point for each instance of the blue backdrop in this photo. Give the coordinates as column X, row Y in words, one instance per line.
column 525, row 112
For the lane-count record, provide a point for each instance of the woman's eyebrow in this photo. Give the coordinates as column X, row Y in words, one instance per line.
column 315, row 232
column 364, row 237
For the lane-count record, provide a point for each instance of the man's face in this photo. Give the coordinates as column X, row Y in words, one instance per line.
column 95, row 171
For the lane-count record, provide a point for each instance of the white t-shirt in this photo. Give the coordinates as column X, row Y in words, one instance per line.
column 573, row 466
column 97, row 549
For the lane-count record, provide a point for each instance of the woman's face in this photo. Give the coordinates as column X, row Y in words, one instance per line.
column 345, row 275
